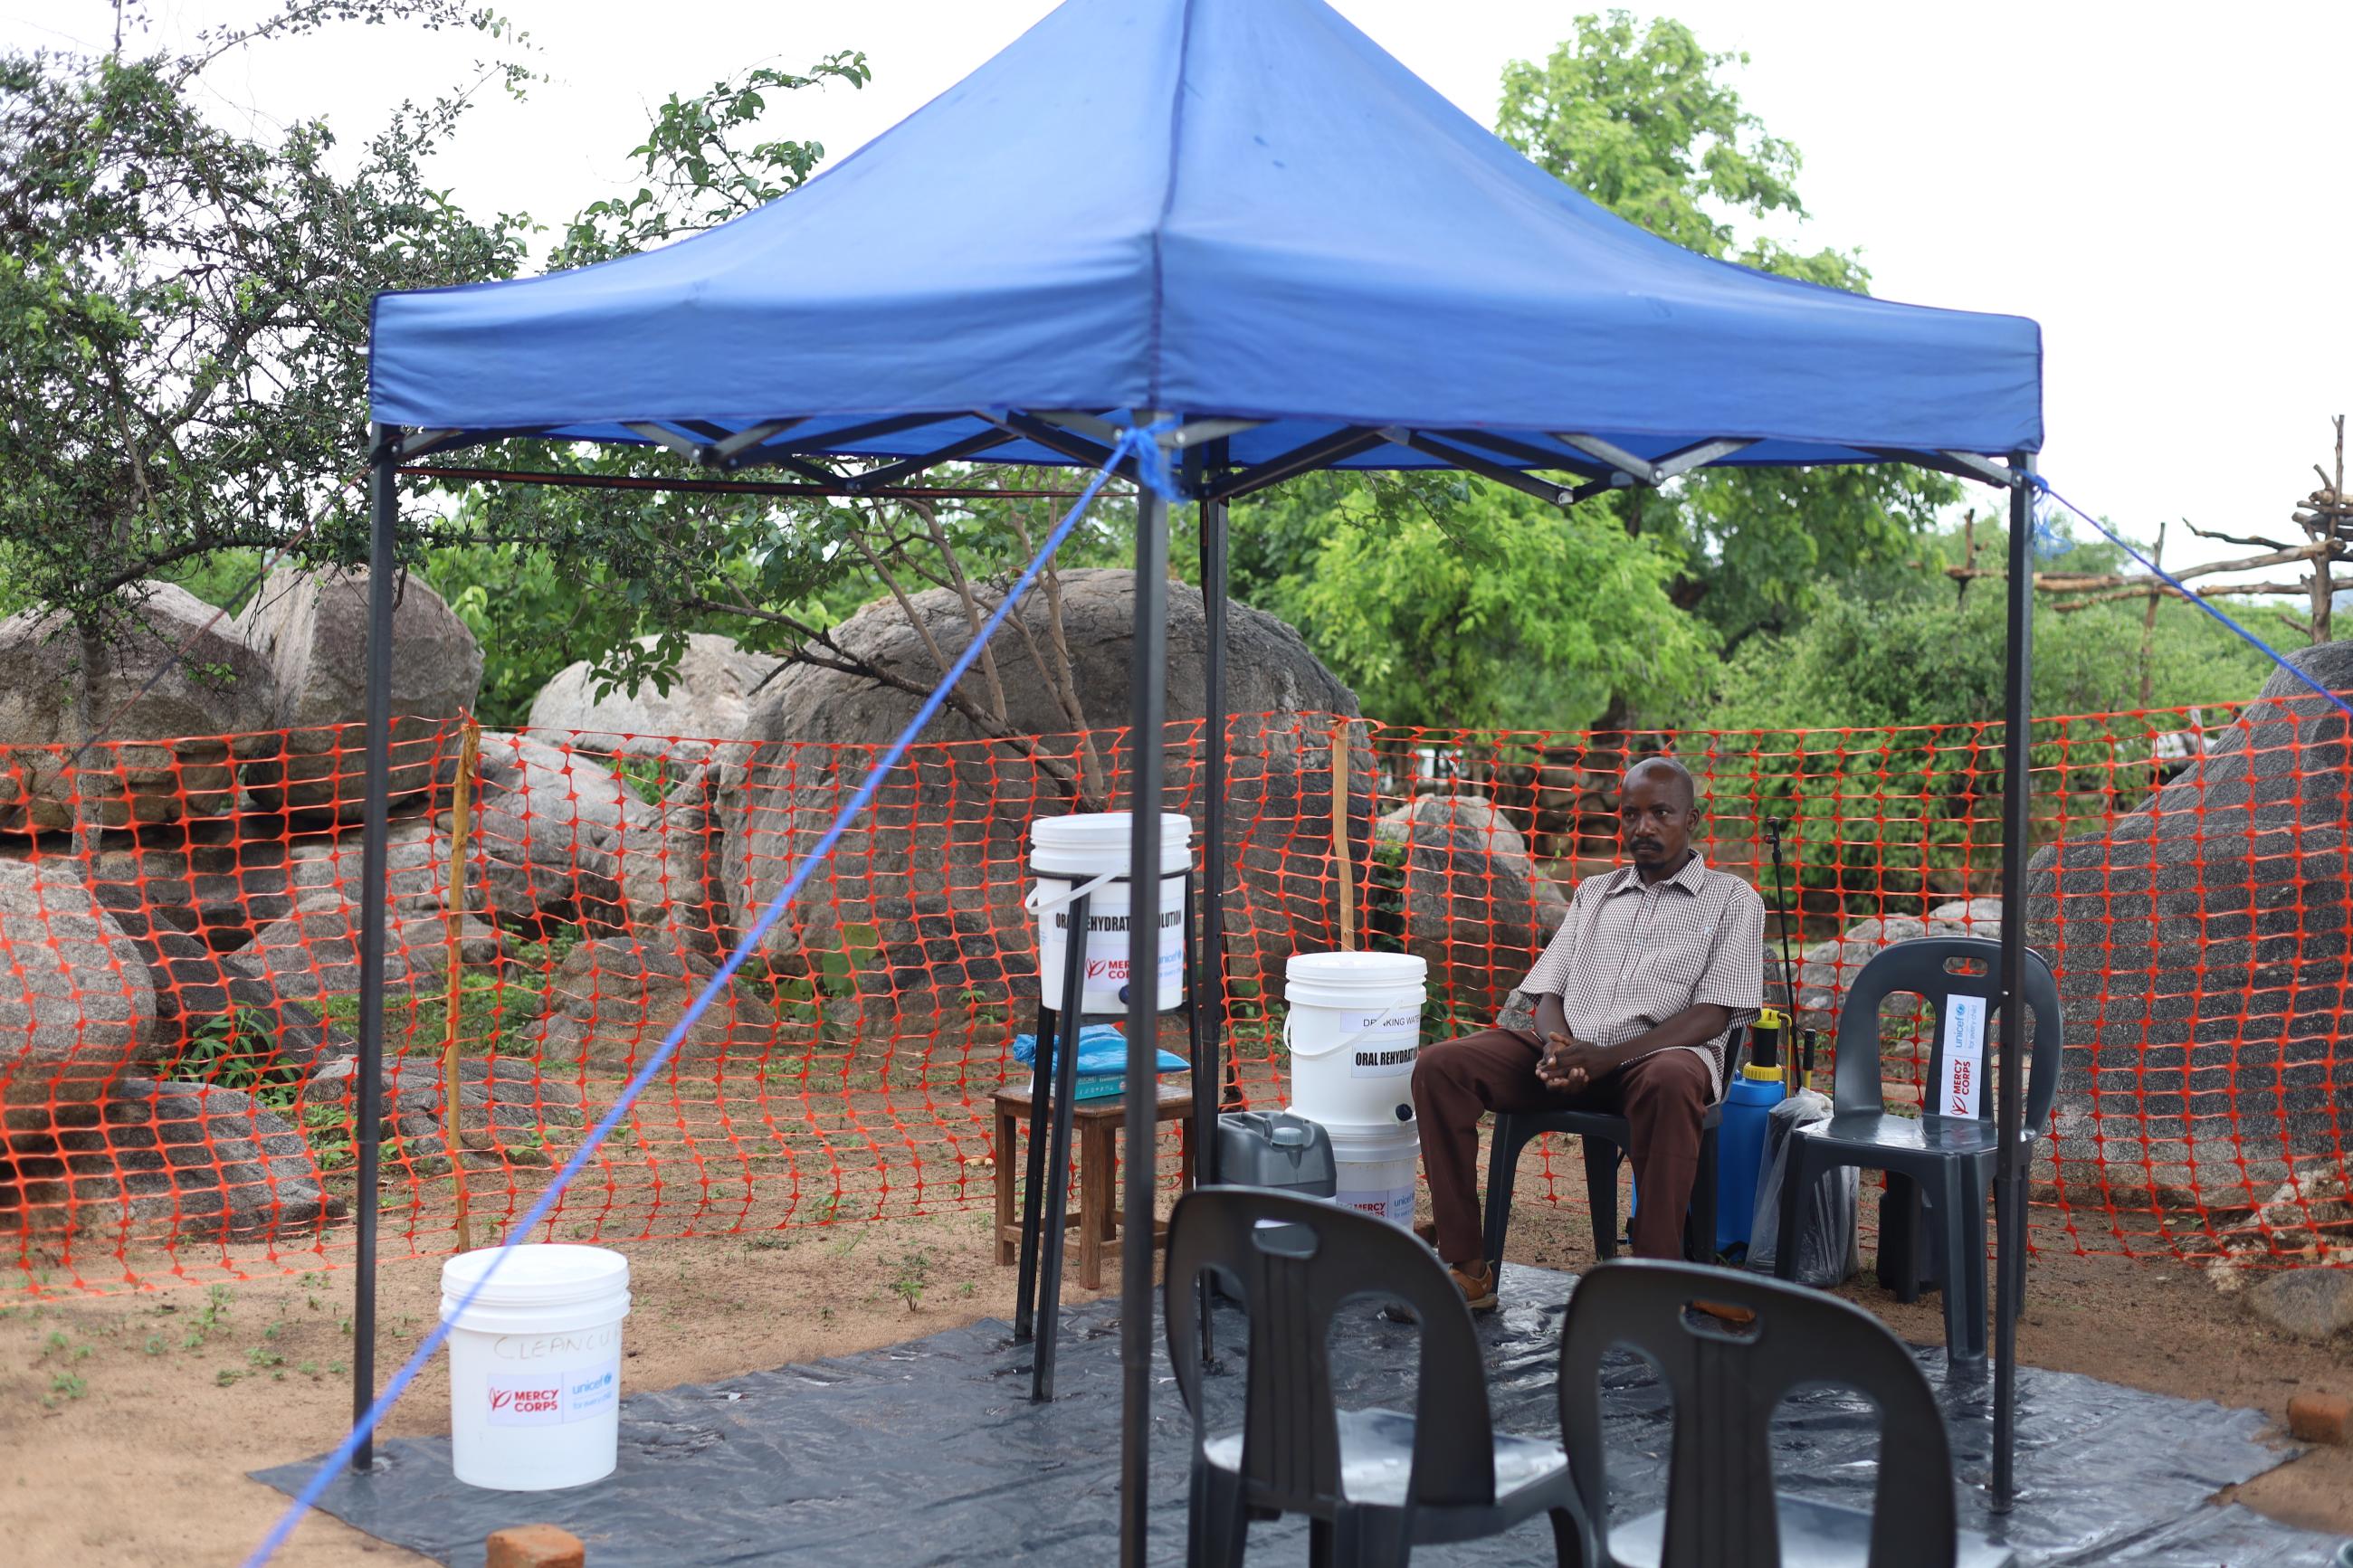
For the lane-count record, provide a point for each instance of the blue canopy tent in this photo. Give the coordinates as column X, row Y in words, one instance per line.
column 1241, row 220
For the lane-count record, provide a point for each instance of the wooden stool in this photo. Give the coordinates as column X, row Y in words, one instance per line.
column 1097, row 1123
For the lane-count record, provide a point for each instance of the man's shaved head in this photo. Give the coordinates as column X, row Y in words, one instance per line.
column 1668, row 772
column 1658, row 806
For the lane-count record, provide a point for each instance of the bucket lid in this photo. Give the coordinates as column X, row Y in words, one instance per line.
column 537, row 1274
column 1378, row 1141
column 1103, row 830
column 1357, row 968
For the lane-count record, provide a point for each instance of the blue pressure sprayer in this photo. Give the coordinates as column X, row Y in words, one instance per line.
column 1748, row 1100
column 1764, row 1081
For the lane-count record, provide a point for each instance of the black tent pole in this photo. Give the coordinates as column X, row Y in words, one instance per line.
column 384, row 511
column 1210, row 963
column 1207, row 972
column 1146, row 708
column 2017, row 1029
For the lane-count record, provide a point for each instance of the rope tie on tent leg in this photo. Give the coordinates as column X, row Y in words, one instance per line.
column 2043, row 486
column 1140, row 443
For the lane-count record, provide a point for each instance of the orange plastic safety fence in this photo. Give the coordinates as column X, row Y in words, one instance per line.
column 179, row 961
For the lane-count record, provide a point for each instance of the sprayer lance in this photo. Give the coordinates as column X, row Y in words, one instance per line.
column 1800, row 1075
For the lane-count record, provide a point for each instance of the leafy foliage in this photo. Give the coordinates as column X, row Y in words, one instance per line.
column 1906, row 646
column 536, row 609
column 1445, row 601
column 1494, row 609
column 183, row 312
column 497, row 1009
column 698, row 177
column 183, row 319
column 1903, row 671
column 1640, row 120
column 1645, row 121
column 237, row 1050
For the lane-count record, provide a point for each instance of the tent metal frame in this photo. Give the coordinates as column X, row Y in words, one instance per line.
column 1205, row 476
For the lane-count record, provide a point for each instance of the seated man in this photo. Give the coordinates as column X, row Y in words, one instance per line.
column 1634, row 999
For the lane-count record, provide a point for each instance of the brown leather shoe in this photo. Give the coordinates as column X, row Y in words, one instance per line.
column 1725, row 1312
column 1477, row 1283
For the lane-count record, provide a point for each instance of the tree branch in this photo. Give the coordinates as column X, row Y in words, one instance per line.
column 2258, row 542
column 972, row 613
column 2151, row 587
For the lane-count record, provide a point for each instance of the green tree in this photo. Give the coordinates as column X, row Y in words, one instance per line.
column 1483, row 607
column 698, row 175
column 1898, row 646
column 183, row 314
column 1640, row 120
column 1646, row 122
column 598, row 569
column 1899, row 673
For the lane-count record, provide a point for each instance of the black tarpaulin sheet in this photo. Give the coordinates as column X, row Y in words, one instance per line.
column 930, row 1453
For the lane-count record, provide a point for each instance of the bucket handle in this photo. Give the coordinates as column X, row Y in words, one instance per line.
column 1338, row 1043
column 1036, row 902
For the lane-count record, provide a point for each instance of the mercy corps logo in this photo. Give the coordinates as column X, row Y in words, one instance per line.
column 513, row 1401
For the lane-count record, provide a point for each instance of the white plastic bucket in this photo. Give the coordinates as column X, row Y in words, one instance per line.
column 1087, row 853
column 536, row 1366
column 1374, row 1168
column 1353, row 1026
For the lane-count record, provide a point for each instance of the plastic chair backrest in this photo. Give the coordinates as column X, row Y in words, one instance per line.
column 1935, row 968
column 1291, row 1275
column 1726, row 1382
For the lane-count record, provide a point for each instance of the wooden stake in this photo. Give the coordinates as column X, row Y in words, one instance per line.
column 1340, row 837
column 2323, row 590
column 453, row 915
column 2148, row 618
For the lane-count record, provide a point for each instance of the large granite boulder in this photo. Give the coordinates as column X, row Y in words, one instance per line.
column 707, row 700
column 77, row 1000
column 181, row 696
column 506, row 1105
column 317, row 954
column 195, row 987
column 552, row 835
column 2202, row 952
column 178, row 1159
column 208, row 878
column 1827, row 969
column 614, row 1002
column 550, row 824
column 323, row 871
column 945, row 845
column 312, row 627
column 671, row 887
column 1475, row 906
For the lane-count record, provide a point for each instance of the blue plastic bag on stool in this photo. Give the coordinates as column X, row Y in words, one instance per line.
column 1830, row 1255
column 1102, row 1061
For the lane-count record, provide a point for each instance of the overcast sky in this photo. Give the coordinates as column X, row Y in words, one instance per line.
column 2161, row 186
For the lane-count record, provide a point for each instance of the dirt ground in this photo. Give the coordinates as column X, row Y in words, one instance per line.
column 129, row 1422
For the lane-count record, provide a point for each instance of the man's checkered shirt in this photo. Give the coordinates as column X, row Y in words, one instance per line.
column 1631, row 954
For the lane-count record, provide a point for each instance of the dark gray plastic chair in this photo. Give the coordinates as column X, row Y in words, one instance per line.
column 1602, row 1139
column 1376, row 1482
column 1947, row 1160
column 1722, row 1508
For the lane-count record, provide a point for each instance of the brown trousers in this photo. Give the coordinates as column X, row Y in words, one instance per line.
column 1663, row 1097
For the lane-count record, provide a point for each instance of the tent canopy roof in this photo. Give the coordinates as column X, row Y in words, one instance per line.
column 1239, row 208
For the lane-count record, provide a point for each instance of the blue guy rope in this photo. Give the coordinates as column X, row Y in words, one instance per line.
column 2170, row 581
column 1138, row 442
